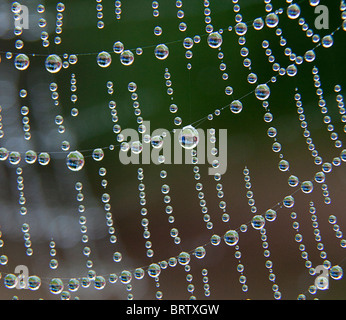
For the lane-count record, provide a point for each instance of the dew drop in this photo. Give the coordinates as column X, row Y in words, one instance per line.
column 307, row 187
column 21, row 61
column 99, row 282
column 189, row 137
column 293, row 11
column 53, row 63
column 14, row 157
column 3, row 154
column 214, row 40
column 104, row 59
column 43, row 158
column 200, row 252
column 98, row 154
column 127, row 57
column 118, row 47
column 258, row 222
column 125, row 277
column 34, row 282
column 262, row 92
column 154, row 270
column 336, row 272
column 240, row 29
column 288, row 202
column 10, row 281
column 270, row 215
column 231, row 237
column 184, row 258
column 56, row 286
column 161, row 52
column 136, row 147
column 75, row 161
column 327, row 41
column 272, row 20
column 236, row 106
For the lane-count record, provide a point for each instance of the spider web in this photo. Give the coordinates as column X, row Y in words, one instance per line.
column 115, row 231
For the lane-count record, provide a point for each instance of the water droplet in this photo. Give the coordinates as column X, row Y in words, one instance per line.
column 236, row 106
column 21, row 61
column 189, row 137
column 14, row 157
column 53, row 63
column 258, row 222
column 118, row 47
column 125, row 277
column 157, row 142
column 184, row 258
column 327, row 41
column 98, row 154
column 231, row 237
column 75, row 161
column 99, row 282
column 56, row 286
column 127, row 57
column 73, row 284
column 307, row 187
column 293, row 11
column 104, row 59
column 288, row 202
column 10, row 281
column 284, row 165
column 291, row 70
column 200, row 252
column 310, row 55
column 293, row 181
column 3, row 154
column 154, row 270
column 161, row 51
column 272, row 20
column 262, row 92
column 139, row 273
column 320, row 177
column 34, row 282
column 240, row 29
column 214, row 40
column 336, row 272
column 43, row 158
column 258, row 23
column 270, row 215
column 136, row 147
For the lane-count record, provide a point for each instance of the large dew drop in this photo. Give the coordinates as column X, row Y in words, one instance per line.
column 293, row 11
column 53, row 63
column 127, row 57
column 154, row 270
column 231, row 237
column 272, row 20
column 189, row 137
column 336, row 272
column 34, row 283
column 262, row 92
column 307, row 187
column 258, row 222
column 75, row 161
column 118, row 47
column 214, row 40
column 104, row 59
column 236, row 106
column 161, row 52
column 21, row 61
column 56, row 286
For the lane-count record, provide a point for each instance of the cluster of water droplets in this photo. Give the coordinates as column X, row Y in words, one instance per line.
column 188, row 139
